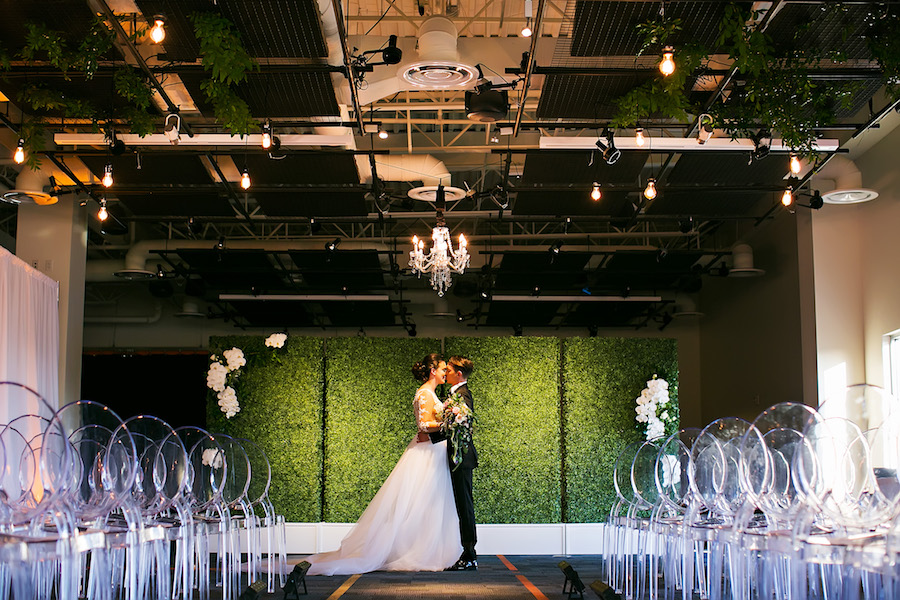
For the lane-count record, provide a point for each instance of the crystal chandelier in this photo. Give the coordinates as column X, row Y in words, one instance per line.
column 442, row 259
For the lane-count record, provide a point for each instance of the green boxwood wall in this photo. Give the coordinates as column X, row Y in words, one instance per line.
column 369, row 420
column 334, row 415
column 280, row 393
column 515, row 387
column 602, row 378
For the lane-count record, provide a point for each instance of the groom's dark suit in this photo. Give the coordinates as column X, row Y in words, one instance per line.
column 461, row 477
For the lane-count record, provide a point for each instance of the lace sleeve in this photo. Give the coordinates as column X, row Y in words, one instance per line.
column 426, row 419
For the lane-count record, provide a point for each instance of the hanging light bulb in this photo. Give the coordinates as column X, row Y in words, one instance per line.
column 107, row 180
column 383, row 134
column 158, row 31
column 787, row 198
column 103, row 214
column 266, row 136
column 667, row 64
column 596, row 194
column 650, row 190
column 795, row 164
column 639, row 136
column 19, row 156
column 245, row 179
column 526, row 31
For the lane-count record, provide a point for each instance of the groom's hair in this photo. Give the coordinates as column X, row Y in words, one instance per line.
column 462, row 365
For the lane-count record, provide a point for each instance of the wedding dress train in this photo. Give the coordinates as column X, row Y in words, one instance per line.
column 411, row 523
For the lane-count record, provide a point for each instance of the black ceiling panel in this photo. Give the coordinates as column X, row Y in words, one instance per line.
column 705, row 203
column 326, row 202
column 578, row 202
column 526, row 314
column 357, row 270
column 359, row 314
column 572, row 96
column 522, row 271
column 733, row 169
column 154, row 169
column 73, row 19
column 179, row 204
column 820, row 27
column 239, row 271
column 274, row 313
column 180, row 43
column 579, row 167
column 603, row 28
column 328, row 168
column 609, row 314
column 645, row 270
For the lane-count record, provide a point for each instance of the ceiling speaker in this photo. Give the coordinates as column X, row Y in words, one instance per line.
column 487, row 106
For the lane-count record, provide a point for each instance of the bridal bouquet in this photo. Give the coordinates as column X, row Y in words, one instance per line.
column 457, row 422
column 652, row 407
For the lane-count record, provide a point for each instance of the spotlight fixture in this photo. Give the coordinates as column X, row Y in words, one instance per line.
column 610, row 153
column 536, row 291
column 639, row 136
column 704, row 128
column 19, row 156
column 332, row 245
column 194, row 226
column 527, row 31
column 555, row 248
column 517, row 330
column 158, row 31
column 103, row 214
column 220, row 245
column 173, row 127
column 596, row 194
column 667, row 64
column 816, row 201
column 411, row 329
column 107, row 180
column 795, row 164
column 495, row 139
column 592, row 330
column 160, row 273
column 650, row 190
column 266, row 141
column 460, row 317
column 760, row 150
column 245, row 179
column 686, row 226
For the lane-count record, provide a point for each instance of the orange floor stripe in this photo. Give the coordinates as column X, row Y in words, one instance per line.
column 508, row 564
column 531, row 588
column 344, row 587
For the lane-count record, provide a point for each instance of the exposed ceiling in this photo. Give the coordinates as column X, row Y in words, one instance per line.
column 258, row 256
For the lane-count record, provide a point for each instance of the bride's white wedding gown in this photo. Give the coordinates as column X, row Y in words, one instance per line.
column 411, row 523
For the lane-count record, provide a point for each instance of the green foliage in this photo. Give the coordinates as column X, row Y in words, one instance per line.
column 130, row 85
column 603, row 377
column 41, row 42
column 228, row 62
column 280, row 392
column 515, row 388
column 32, row 133
column 369, row 417
column 98, row 42
column 884, row 44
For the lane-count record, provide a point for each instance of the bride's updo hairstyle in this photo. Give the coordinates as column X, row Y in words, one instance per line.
column 422, row 369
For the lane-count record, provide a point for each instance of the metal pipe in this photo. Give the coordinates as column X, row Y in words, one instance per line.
column 536, row 34
column 351, row 76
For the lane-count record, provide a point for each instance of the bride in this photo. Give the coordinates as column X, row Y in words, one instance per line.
column 411, row 523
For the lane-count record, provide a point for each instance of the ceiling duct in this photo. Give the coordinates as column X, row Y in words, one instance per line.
column 742, row 262
column 30, row 186
column 438, row 65
column 847, row 179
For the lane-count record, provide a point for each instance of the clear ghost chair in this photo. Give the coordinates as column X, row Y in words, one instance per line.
column 274, row 525
column 234, row 497
column 767, row 453
column 672, row 480
column 160, row 481
column 647, row 498
column 620, row 543
column 102, row 502
column 715, row 499
column 206, row 475
column 37, row 473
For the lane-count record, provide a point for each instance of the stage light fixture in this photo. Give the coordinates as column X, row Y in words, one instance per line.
column 332, row 245
column 609, row 152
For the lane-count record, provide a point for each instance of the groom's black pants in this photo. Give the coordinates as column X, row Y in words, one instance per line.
column 465, row 508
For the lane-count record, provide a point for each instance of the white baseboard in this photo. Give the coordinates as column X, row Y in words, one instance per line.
column 539, row 538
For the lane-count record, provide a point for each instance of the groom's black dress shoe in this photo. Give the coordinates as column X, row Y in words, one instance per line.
column 463, row 565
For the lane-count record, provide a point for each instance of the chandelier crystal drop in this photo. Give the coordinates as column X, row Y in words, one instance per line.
column 442, row 259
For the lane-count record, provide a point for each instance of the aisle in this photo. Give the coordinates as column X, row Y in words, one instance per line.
column 497, row 578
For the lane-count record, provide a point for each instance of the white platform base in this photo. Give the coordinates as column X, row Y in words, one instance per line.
column 544, row 538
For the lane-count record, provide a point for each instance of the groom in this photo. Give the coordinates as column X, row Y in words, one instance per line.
column 458, row 371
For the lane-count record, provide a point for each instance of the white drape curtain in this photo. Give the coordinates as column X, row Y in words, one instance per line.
column 29, row 337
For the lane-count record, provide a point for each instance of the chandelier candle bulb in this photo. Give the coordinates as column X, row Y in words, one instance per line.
column 442, row 259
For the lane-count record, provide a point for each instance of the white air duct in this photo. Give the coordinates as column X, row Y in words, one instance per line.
column 30, row 185
column 847, row 180
column 742, row 262
column 438, row 65
column 404, row 167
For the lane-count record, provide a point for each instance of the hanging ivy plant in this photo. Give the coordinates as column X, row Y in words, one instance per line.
column 884, row 44
column 228, row 62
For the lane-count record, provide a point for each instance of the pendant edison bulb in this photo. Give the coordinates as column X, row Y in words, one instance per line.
column 19, row 156
column 787, row 198
column 795, row 164
column 158, row 31
column 107, row 180
column 650, row 190
column 667, row 64
column 596, row 194
column 245, row 179
column 639, row 136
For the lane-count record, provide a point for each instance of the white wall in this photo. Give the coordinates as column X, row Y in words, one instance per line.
column 857, row 282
